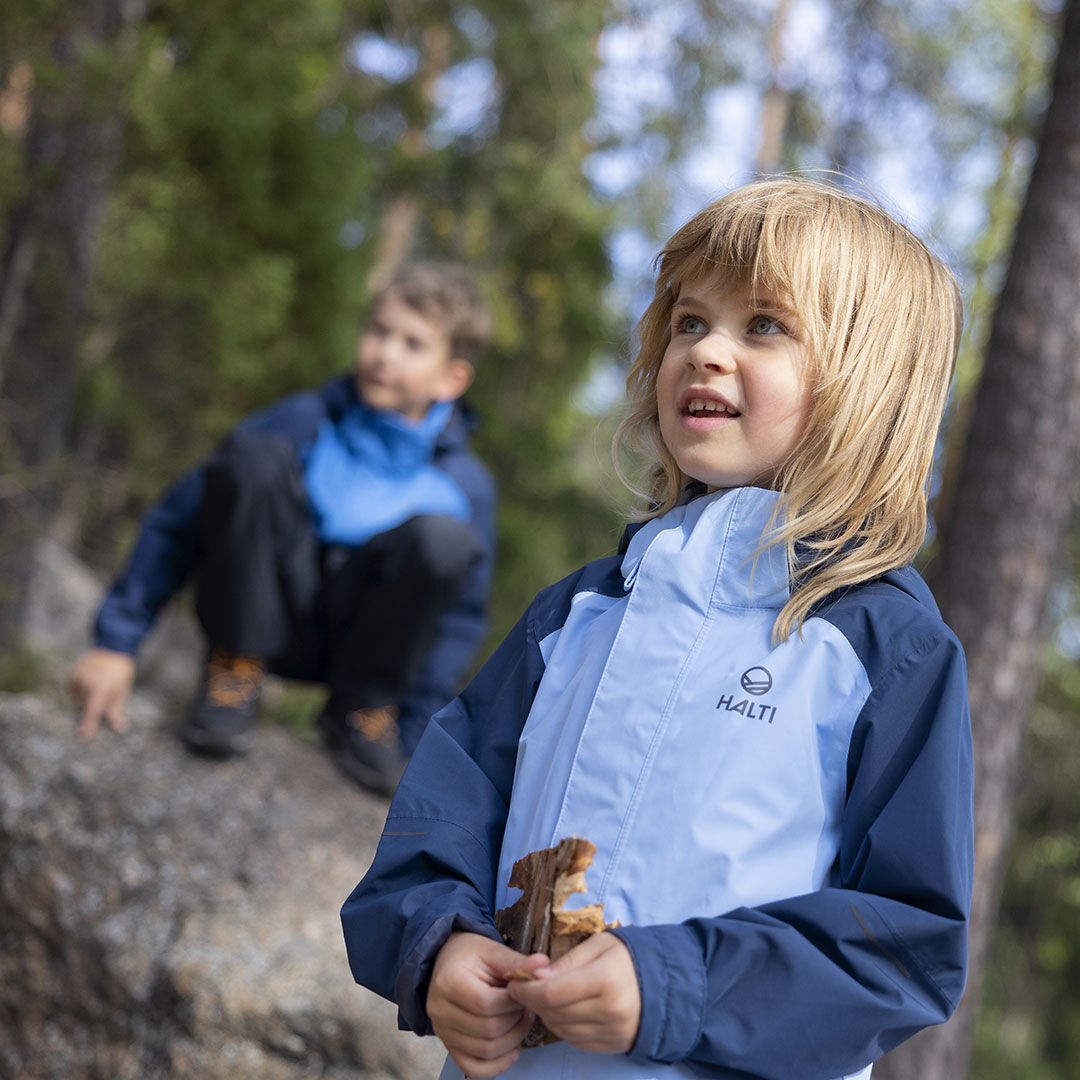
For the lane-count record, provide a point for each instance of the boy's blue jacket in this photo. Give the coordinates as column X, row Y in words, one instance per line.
column 169, row 545
column 785, row 832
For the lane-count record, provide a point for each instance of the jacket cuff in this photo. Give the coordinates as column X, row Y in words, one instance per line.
column 102, row 641
column 117, row 630
column 669, row 964
column 411, row 984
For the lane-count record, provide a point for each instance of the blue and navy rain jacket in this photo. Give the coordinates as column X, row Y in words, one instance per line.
column 784, row 831
column 169, row 545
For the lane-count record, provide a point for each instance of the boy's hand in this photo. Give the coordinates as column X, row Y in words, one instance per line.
column 478, row 1022
column 102, row 681
column 589, row 997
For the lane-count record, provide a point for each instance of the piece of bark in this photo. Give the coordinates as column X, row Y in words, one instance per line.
column 536, row 921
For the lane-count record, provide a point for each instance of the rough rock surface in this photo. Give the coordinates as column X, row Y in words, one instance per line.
column 63, row 597
column 162, row 915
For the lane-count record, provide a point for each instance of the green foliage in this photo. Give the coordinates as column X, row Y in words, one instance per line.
column 549, row 273
column 222, row 282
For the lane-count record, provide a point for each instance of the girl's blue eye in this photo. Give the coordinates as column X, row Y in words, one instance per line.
column 691, row 324
column 763, row 324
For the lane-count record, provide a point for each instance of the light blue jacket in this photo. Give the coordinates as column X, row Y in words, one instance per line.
column 784, row 832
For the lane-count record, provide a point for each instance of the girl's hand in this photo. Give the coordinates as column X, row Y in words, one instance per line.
column 470, row 1010
column 589, row 997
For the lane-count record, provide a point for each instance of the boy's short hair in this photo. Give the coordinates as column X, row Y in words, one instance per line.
column 880, row 317
column 447, row 292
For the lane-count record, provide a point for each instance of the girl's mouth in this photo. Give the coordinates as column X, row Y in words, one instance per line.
column 708, row 407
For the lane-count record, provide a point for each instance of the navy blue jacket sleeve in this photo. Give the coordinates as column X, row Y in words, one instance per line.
column 434, row 870
column 870, row 960
column 168, row 546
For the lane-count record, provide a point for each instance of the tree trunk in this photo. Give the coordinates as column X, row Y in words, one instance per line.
column 776, row 101
column 1005, row 536
column 397, row 233
column 72, row 149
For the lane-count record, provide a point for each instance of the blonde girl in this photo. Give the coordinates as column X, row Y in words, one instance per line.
column 753, row 710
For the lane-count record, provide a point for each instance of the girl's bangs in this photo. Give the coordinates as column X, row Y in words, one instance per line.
column 746, row 244
column 717, row 262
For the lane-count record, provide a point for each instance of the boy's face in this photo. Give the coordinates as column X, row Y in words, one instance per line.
column 403, row 361
column 731, row 391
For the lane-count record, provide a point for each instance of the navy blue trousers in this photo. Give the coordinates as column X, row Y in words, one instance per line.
column 359, row 619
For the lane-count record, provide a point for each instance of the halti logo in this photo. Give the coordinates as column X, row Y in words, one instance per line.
column 755, row 681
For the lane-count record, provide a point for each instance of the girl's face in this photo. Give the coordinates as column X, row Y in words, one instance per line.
column 731, row 391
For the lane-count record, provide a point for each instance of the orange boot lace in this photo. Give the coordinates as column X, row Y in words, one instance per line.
column 377, row 723
column 233, row 679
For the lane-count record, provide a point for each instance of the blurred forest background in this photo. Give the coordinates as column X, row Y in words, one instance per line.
column 196, row 198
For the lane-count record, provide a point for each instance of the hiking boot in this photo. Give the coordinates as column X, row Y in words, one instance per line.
column 364, row 744
column 221, row 719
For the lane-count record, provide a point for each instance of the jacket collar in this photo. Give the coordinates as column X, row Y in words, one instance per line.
column 709, row 544
column 340, row 396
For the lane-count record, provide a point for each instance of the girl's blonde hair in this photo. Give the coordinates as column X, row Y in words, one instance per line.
column 880, row 319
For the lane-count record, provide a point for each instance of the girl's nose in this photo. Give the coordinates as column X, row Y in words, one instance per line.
column 714, row 352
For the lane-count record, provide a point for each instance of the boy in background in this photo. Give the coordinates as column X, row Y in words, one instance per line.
column 344, row 535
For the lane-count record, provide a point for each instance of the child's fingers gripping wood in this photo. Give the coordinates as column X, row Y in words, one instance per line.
column 538, row 922
column 589, row 997
column 471, row 1012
